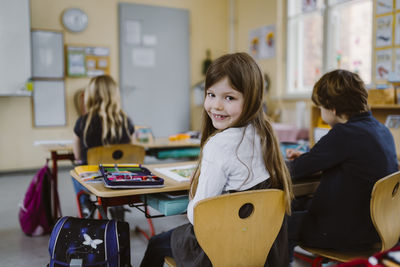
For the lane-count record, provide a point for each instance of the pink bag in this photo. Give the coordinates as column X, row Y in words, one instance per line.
column 35, row 216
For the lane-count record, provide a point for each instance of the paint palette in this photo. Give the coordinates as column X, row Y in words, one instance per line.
column 129, row 176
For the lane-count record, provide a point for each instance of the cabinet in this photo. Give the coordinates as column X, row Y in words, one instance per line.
column 380, row 112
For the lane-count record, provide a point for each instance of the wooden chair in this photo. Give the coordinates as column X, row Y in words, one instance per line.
column 123, row 153
column 385, row 214
column 228, row 239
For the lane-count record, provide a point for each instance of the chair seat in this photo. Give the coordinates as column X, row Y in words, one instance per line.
column 340, row 256
column 170, row 261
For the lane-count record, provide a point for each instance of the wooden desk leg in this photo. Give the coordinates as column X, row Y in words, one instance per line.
column 54, row 158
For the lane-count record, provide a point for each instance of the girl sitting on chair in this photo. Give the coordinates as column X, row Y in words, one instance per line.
column 239, row 152
column 104, row 123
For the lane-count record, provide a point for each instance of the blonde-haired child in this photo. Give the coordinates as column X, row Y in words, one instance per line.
column 239, row 152
column 104, row 123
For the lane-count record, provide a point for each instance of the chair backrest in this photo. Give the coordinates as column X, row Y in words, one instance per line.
column 123, row 153
column 385, row 209
column 228, row 239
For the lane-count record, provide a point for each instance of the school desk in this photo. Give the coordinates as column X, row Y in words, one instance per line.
column 115, row 197
column 59, row 150
column 62, row 150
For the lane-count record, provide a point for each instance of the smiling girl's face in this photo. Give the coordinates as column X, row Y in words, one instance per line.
column 223, row 104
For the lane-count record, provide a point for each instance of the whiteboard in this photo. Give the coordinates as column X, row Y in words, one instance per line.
column 49, row 103
column 47, row 54
column 15, row 46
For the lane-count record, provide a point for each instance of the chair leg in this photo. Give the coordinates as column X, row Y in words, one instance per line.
column 317, row 262
column 151, row 226
column 138, row 229
column 314, row 261
column 152, row 232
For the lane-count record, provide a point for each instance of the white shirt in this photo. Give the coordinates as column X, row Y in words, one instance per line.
column 221, row 170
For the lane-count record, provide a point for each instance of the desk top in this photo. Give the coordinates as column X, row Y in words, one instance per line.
column 164, row 142
column 55, row 145
column 98, row 189
column 169, row 184
column 158, row 143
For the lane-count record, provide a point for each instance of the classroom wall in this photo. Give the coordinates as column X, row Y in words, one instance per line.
column 253, row 14
column 210, row 27
column 257, row 13
column 208, row 30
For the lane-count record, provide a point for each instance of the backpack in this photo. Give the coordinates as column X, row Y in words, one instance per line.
column 35, row 216
column 90, row 242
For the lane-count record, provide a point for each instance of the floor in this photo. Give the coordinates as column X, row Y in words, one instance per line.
column 16, row 249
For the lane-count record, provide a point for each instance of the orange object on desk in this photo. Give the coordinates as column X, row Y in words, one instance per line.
column 180, row 136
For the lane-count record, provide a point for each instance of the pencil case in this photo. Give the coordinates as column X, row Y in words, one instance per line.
column 129, row 176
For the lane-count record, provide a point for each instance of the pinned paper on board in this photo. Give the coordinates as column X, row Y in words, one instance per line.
column 383, row 64
column 150, row 40
column 384, row 28
column 384, row 6
column 397, row 62
column 397, row 29
column 133, row 32
column 143, row 57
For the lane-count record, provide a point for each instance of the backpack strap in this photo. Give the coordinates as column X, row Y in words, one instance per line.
column 112, row 244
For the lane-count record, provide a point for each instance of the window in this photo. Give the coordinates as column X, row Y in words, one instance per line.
column 324, row 35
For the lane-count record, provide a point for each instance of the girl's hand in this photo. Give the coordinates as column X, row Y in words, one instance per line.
column 291, row 154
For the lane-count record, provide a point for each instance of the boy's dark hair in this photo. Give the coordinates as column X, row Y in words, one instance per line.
column 343, row 91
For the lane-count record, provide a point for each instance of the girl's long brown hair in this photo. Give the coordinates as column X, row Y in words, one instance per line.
column 102, row 98
column 245, row 76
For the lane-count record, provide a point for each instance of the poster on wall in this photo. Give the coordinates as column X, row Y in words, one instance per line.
column 384, row 6
column 262, row 42
column 397, row 62
column 254, row 43
column 384, row 26
column 383, row 66
column 397, row 29
column 133, row 32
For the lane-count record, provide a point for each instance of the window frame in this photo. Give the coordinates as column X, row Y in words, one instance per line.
column 325, row 9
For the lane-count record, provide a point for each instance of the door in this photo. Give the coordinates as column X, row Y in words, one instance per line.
column 154, row 67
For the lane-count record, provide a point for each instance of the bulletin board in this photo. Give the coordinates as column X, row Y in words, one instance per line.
column 87, row 61
column 386, row 40
column 49, row 103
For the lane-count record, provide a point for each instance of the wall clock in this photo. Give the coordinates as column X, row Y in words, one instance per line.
column 75, row 19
